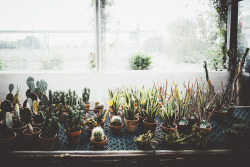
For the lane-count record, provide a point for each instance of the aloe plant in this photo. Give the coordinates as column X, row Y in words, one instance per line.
column 130, row 110
column 168, row 114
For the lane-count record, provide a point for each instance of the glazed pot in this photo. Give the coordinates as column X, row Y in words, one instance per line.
column 150, row 126
column 168, row 130
column 131, row 125
column 101, row 143
column 111, row 115
column 8, row 143
column 73, row 137
column 116, row 128
column 207, row 130
column 31, row 139
column 47, row 143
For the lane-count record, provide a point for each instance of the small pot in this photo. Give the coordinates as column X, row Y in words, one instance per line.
column 9, row 143
column 31, row 139
column 150, row 126
column 73, row 137
column 111, row 115
column 101, row 143
column 168, row 130
column 207, row 130
column 36, row 125
column 47, row 143
column 19, row 131
column 116, row 128
column 87, row 106
column 131, row 125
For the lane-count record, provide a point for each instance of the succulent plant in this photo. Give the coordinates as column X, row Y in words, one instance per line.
column 5, row 107
column 50, row 127
column 100, row 116
column 168, row 114
column 146, row 140
column 97, row 134
column 174, row 139
column 91, row 123
column 96, row 104
column 26, row 115
column 116, row 121
column 44, row 100
column 10, row 96
column 42, row 85
column 130, row 110
column 73, row 120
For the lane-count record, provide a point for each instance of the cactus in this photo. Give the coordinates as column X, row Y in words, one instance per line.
column 91, row 123
column 16, row 99
column 10, row 95
column 29, row 103
column 73, row 120
column 29, row 81
column 43, row 86
column 116, row 121
column 85, row 95
column 100, row 116
column 96, row 104
column 26, row 115
column 44, row 100
column 50, row 127
column 97, row 134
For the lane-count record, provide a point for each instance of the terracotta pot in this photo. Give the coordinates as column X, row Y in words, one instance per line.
column 9, row 143
column 19, row 131
column 101, row 143
column 86, row 116
column 87, row 106
column 83, row 122
column 110, row 109
column 131, row 125
column 207, row 130
column 191, row 122
column 150, row 126
column 168, row 130
column 141, row 118
column 31, row 139
column 47, row 143
column 36, row 125
column 116, row 128
column 73, row 137
column 97, row 110
column 111, row 115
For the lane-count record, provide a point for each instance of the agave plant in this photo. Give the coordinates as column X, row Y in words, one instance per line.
column 130, row 110
column 168, row 114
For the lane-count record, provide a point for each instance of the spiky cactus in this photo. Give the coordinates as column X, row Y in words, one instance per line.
column 85, row 95
column 44, row 100
column 10, row 95
column 73, row 120
column 98, row 134
column 116, row 121
column 50, row 127
column 96, row 104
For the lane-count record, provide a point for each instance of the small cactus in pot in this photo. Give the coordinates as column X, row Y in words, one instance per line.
column 10, row 96
column 98, row 137
column 116, row 124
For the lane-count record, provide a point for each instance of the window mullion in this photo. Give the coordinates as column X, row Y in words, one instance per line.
column 98, row 34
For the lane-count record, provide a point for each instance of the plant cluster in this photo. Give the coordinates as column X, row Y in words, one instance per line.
column 147, row 140
column 140, row 62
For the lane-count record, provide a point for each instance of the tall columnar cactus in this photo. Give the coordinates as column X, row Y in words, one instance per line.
column 44, row 100
column 85, row 95
column 50, row 127
column 73, row 120
column 98, row 134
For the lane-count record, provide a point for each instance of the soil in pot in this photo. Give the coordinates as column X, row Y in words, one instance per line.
column 8, row 141
column 116, row 129
column 167, row 129
column 30, row 139
column 101, row 143
column 46, row 143
column 150, row 126
column 73, row 137
column 131, row 125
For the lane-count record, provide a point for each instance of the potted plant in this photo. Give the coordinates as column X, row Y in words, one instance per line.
column 49, row 130
column 168, row 116
column 221, row 109
column 115, row 104
column 91, row 124
column 97, row 137
column 116, row 124
column 98, row 107
column 10, row 96
column 146, row 141
column 85, row 98
column 100, row 117
column 72, row 124
column 31, row 133
column 17, row 125
column 131, row 116
column 7, row 137
column 37, row 115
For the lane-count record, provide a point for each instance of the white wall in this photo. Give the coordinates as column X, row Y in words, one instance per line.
column 99, row 82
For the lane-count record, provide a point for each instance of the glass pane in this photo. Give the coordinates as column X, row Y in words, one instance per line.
column 46, row 34
column 178, row 35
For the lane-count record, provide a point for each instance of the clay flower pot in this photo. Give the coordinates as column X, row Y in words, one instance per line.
column 8, row 143
column 111, row 115
column 31, row 139
column 141, row 118
column 150, row 126
column 73, row 137
column 87, row 106
column 131, row 125
column 101, row 143
column 36, row 125
column 47, row 143
column 116, row 128
column 168, row 130
column 19, row 131
column 97, row 110
column 207, row 130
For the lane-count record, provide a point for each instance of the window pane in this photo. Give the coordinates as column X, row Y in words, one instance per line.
column 46, row 34
column 178, row 35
